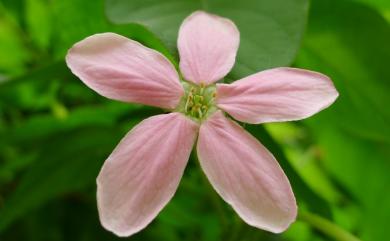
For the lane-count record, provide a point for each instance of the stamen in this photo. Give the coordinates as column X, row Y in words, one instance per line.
column 201, row 88
column 189, row 98
column 200, row 113
column 199, row 101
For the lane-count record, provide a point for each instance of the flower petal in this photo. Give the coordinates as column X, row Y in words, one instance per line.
column 143, row 172
column 245, row 174
column 122, row 69
column 280, row 94
column 208, row 46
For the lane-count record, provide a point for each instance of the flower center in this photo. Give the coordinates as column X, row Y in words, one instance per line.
column 198, row 101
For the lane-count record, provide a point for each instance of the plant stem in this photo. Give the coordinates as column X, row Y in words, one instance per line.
column 327, row 227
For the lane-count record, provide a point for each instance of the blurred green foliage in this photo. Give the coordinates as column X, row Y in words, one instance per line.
column 55, row 133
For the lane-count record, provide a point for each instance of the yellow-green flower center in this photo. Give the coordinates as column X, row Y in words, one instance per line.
column 198, row 101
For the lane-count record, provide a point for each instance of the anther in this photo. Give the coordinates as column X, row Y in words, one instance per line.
column 189, row 102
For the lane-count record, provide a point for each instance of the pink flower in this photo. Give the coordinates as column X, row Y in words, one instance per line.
column 143, row 172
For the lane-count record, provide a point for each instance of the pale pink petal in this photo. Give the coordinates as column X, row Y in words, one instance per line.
column 143, row 172
column 207, row 46
column 280, row 94
column 122, row 69
column 245, row 174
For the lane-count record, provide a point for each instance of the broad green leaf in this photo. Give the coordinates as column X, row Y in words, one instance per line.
column 74, row 24
column 354, row 52
column 270, row 30
column 354, row 135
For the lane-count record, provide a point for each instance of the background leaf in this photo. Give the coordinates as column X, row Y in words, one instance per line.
column 272, row 28
column 353, row 135
column 55, row 132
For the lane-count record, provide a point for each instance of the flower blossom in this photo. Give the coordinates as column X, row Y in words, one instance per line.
column 143, row 172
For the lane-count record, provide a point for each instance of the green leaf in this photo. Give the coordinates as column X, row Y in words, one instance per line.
column 39, row 22
column 353, row 135
column 81, row 25
column 380, row 4
column 44, row 73
column 270, row 30
column 354, row 51
column 81, row 117
column 36, row 90
column 366, row 164
column 61, row 167
column 13, row 52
